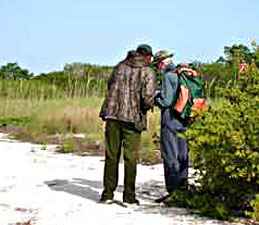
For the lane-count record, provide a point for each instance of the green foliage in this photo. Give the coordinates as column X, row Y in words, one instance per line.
column 217, row 75
column 206, row 203
column 256, row 53
column 150, row 152
column 224, row 147
column 225, row 70
column 67, row 116
column 238, row 53
column 255, row 205
column 77, row 80
column 40, row 119
column 29, row 89
column 68, row 145
column 19, row 122
column 12, row 71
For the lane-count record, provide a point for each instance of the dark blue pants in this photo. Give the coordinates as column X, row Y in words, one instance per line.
column 175, row 157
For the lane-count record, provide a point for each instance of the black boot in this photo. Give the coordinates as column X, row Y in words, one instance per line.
column 162, row 199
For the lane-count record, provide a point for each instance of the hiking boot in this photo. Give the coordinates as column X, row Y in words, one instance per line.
column 165, row 203
column 106, row 201
column 106, row 197
column 131, row 201
column 162, row 199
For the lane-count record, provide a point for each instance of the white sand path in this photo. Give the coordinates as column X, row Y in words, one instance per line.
column 45, row 188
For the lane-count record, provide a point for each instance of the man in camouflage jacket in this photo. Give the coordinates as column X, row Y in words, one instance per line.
column 131, row 89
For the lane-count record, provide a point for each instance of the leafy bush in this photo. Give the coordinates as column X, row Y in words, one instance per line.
column 255, row 205
column 217, row 75
column 223, row 146
column 12, row 71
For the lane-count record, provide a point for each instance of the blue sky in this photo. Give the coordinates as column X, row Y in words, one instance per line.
column 43, row 35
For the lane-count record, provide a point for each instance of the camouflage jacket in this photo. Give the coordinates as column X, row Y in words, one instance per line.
column 131, row 90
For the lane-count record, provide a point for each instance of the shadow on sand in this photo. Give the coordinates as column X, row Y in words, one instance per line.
column 89, row 189
column 80, row 187
column 146, row 193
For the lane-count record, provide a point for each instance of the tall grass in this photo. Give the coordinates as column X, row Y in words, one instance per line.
column 68, row 116
column 41, row 119
column 151, row 138
column 45, row 109
column 41, row 89
column 25, row 89
column 53, row 116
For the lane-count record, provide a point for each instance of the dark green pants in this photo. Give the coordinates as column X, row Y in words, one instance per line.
column 120, row 134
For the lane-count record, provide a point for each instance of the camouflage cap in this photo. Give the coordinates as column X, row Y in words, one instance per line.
column 130, row 54
column 161, row 55
column 145, row 49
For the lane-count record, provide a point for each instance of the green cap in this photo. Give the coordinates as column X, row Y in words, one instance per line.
column 145, row 49
column 161, row 55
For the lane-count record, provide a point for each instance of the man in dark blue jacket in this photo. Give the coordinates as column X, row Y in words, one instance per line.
column 173, row 147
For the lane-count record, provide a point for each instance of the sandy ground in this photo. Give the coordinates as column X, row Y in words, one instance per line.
column 45, row 188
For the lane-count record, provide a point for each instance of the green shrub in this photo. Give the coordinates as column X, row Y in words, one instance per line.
column 223, row 146
column 255, row 205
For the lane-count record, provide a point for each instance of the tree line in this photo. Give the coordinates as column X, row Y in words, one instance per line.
column 233, row 56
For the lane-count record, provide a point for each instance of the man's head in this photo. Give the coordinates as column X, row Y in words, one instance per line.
column 146, row 51
column 162, row 59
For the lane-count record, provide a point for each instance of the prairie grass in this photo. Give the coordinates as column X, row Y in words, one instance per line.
column 24, row 89
column 44, row 117
column 68, row 116
column 44, row 89
column 150, row 138
column 60, row 107
column 54, row 115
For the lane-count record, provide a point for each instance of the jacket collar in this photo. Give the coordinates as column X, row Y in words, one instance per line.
column 137, row 60
column 170, row 67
